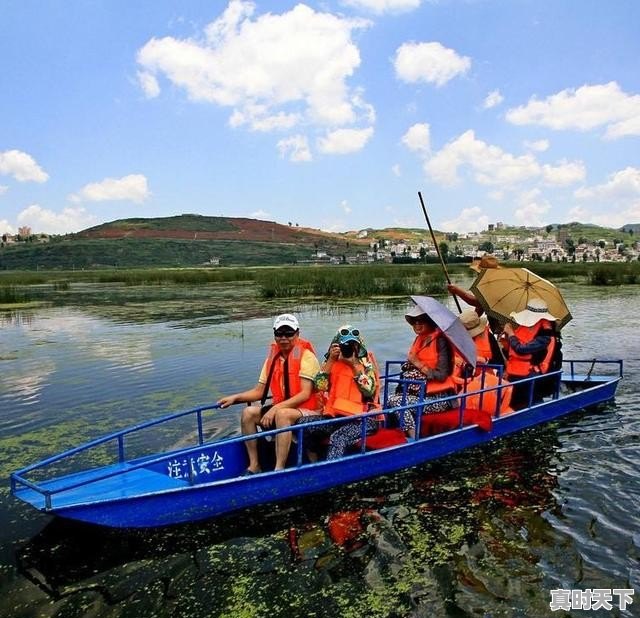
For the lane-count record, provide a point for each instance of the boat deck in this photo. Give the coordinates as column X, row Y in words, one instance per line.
column 89, row 485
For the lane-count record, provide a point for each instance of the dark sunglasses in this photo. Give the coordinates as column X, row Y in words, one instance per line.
column 284, row 333
column 345, row 331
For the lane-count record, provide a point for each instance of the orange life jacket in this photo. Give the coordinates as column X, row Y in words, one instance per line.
column 488, row 401
column 426, row 349
column 483, row 353
column 344, row 397
column 522, row 364
column 294, row 360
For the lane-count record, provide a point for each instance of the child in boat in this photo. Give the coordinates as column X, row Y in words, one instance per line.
column 349, row 381
column 288, row 371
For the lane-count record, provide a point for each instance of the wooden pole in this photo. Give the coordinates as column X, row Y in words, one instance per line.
column 433, row 236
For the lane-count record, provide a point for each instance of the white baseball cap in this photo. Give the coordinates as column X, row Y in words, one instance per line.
column 286, row 319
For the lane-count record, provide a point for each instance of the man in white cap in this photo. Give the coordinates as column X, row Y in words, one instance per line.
column 531, row 346
column 288, row 372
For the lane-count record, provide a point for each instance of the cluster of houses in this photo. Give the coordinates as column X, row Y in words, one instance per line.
column 24, row 235
column 497, row 241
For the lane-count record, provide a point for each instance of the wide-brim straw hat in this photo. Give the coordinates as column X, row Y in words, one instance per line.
column 473, row 322
column 486, row 261
column 535, row 311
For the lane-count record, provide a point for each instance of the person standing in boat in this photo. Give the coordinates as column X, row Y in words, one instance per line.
column 349, row 381
column 478, row 265
column 430, row 363
column 530, row 347
column 288, row 372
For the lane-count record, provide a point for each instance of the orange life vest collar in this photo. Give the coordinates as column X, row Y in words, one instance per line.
column 293, row 362
column 425, row 347
column 522, row 364
column 344, row 397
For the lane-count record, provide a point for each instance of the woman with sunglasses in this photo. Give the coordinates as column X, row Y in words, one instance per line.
column 288, row 371
column 429, row 367
column 349, row 381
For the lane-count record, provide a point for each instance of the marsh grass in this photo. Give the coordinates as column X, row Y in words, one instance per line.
column 615, row 274
column 10, row 294
column 350, row 281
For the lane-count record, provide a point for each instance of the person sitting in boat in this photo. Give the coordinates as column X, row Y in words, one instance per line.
column 350, row 382
column 530, row 348
column 430, row 363
column 487, row 348
column 288, row 371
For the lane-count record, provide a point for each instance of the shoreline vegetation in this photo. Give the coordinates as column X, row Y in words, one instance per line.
column 343, row 281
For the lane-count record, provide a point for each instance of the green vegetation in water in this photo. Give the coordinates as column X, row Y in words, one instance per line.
column 344, row 281
column 10, row 294
column 615, row 274
column 351, row 281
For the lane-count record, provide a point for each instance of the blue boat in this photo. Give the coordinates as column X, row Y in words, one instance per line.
column 205, row 479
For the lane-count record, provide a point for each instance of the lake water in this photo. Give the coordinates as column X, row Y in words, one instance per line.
column 486, row 533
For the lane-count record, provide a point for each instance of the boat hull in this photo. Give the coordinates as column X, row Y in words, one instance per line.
column 185, row 502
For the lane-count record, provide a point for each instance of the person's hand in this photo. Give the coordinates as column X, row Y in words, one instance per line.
column 227, row 401
column 334, row 352
column 412, row 357
column 269, row 418
column 508, row 330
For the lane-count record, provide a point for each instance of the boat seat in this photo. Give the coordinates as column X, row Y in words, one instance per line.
column 439, row 422
column 383, row 438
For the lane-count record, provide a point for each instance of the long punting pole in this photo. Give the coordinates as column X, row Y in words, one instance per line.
column 433, row 237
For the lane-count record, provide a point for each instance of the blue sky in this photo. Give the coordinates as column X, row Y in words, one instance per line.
column 330, row 114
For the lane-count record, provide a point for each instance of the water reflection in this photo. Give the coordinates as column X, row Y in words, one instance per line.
column 447, row 535
column 486, row 533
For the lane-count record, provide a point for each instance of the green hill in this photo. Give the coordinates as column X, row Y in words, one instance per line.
column 193, row 240
column 185, row 240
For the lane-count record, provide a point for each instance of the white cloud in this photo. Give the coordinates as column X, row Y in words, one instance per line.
column 396, row 170
column 344, row 141
column 490, row 164
column 290, row 65
column 469, row 220
column 345, row 207
column 418, row 138
column 539, row 145
column 258, row 118
column 532, row 209
column 296, row 148
column 6, row 228
column 583, row 109
column 494, row 98
column 50, row 222
column 606, row 217
column 3, row 189
column 21, row 166
column 565, row 173
column 622, row 186
column 149, row 84
column 132, row 188
column 260, row 214
column 429, row 62
column 384, row 6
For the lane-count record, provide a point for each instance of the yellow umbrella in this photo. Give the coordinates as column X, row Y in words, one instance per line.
column 502, row 291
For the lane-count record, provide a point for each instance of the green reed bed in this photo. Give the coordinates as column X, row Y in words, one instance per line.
column 137, row 276
column 615, row 274
column 350, row 281
column 189, row 276
column 10, row 294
